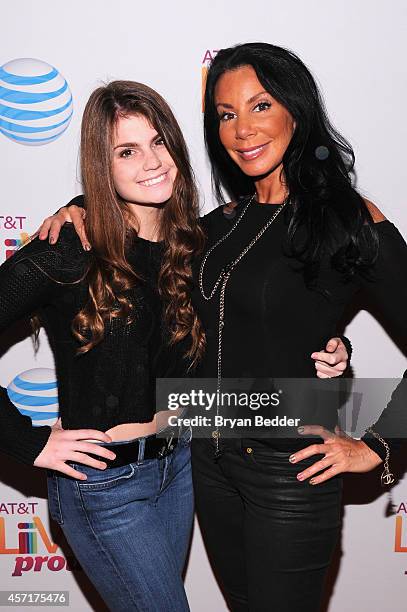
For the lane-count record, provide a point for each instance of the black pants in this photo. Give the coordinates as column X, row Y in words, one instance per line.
column 269, row 537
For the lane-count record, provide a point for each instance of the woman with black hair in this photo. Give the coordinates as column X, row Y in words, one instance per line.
column 272, row 283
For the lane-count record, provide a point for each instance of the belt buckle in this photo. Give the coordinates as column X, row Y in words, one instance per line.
column 167, row 448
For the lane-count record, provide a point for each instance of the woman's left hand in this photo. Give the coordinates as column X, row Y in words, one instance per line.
column 342, row 454
column 333, row 361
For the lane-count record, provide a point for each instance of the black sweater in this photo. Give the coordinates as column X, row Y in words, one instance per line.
column 273, row 322
column 115, row 381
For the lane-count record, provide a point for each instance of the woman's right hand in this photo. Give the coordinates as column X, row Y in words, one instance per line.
column 70, row 445
column 51, row 226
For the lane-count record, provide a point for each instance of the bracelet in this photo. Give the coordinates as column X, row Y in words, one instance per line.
column 387, row 477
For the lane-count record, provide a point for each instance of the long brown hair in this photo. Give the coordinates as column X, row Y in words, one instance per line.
column 107, row 219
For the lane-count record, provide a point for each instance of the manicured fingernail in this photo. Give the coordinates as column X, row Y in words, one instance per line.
column 292, row 459
column 312, row 481
column 87, row 247
column 300, row 477
column 52, row 240
column 300, row 429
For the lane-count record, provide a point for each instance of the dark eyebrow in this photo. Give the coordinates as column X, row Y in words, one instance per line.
column 249, row 101
column 126, row 144
column 134, row 144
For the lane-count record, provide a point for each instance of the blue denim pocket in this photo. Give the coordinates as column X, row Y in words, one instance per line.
column 54, row 502
column 103, row 479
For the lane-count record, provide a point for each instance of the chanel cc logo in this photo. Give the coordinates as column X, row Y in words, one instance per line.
column 387, row 479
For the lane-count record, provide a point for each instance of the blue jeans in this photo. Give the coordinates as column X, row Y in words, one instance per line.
column 129, row 527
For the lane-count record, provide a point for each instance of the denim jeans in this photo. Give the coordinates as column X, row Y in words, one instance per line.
column 129, row 527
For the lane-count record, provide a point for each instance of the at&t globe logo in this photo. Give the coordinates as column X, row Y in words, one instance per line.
column 35, row 394
column 35, row 102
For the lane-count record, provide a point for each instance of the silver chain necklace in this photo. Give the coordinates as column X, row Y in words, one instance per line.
column 223, row 280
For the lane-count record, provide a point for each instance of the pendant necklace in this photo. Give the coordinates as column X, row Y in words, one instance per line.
column 222, row 280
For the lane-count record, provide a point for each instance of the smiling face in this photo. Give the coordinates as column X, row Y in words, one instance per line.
column 143, row 170
column 254, row 128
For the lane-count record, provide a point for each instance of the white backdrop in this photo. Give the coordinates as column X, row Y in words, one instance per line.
column 357, row 50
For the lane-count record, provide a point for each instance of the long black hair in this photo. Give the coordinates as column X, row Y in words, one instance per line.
column 318, row 163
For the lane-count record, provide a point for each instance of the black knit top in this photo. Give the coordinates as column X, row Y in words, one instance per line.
column 273, row 321
column 114, row 382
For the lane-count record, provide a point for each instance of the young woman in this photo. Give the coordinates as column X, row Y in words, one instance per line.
column 122, row 495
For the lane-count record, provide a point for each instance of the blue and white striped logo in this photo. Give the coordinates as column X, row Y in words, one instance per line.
column 35, row 394
column 35, row 102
